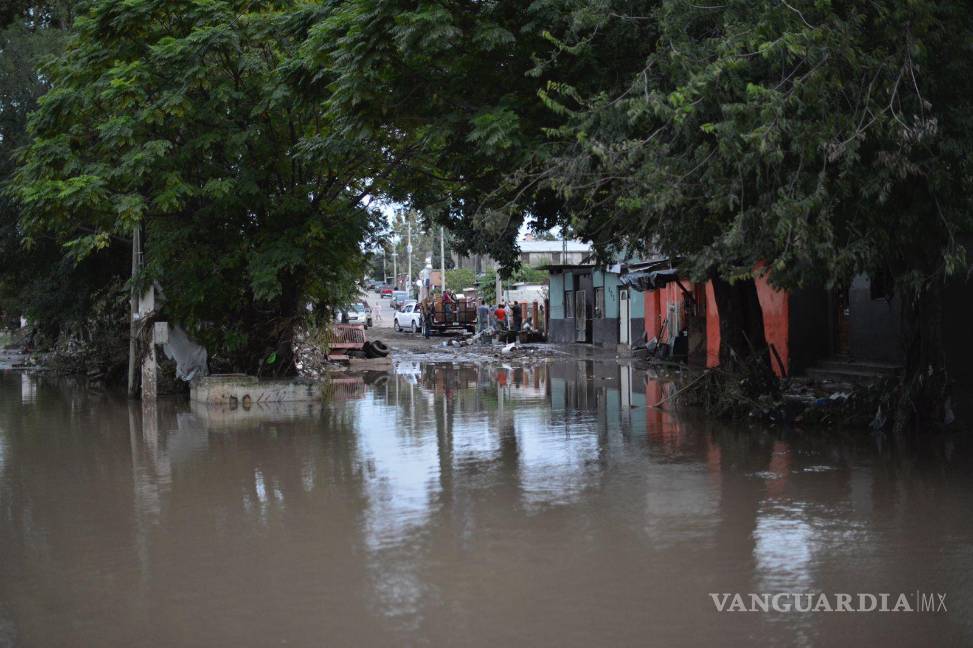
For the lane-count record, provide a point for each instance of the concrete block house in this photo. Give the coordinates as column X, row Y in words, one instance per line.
column 589, row 304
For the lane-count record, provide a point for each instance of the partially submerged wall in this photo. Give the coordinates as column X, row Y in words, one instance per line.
column 245, row 391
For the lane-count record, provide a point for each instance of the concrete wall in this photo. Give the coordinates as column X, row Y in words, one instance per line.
column 562, row 331
column 610, row 282
column 604, row 331
column 245, row 391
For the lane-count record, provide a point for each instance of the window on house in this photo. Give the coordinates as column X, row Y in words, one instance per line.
column 599, row 303
column 569, row 304
column 555, row 258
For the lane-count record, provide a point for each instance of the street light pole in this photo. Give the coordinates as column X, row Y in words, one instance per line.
column 442, row 254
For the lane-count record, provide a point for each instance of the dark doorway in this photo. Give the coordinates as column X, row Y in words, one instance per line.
column 841, row 316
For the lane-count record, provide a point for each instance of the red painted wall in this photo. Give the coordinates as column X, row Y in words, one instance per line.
column 653, row 321
column 657, row 304
column 712, row 328
column 774, row 303
column 776, row 310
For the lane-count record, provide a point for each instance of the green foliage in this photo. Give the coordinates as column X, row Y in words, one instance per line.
column 452, row 80
column 530, row 275
column 823, row 140
column 37, row 282
column 200, row 123
column 460, row 278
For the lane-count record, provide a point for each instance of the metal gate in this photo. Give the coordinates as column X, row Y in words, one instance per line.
column 580, row 317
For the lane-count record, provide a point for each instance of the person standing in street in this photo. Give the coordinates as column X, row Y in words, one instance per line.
column 427, row 317
column 482, row 317
column 501, row 317
column 516, row 318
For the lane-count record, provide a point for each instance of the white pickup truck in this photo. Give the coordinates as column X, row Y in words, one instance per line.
column 409, row 318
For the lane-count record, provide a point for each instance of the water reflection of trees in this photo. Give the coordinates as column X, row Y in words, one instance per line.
column 431, row 504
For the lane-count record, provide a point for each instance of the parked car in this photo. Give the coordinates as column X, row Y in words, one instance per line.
column 354, row 314
column 399, row 299
column 386, row 292
column 409, row 318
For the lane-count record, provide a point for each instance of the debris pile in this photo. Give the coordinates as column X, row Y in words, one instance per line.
column 311, row 355
column 750, row 391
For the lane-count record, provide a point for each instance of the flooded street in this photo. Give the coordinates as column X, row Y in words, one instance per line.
column 459, row 505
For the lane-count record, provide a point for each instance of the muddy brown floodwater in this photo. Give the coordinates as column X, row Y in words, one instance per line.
column 455, row 505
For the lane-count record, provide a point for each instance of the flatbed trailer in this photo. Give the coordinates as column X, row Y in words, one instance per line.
column 458, row 316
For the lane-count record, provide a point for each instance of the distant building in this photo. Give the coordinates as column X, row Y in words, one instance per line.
column 533, row 254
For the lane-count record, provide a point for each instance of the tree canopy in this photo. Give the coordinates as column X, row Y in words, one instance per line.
column 826, row 140
column 198, row 122
column 817, row 140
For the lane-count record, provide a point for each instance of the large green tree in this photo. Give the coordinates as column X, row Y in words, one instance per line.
column 822, row 139
column 196, row 121
column 38, row 282
column 456, row 83
column 817, row 140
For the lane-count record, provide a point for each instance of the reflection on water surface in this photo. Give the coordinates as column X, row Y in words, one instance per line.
column 456, row 505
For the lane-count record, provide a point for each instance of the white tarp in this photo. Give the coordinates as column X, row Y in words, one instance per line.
column 190, row 357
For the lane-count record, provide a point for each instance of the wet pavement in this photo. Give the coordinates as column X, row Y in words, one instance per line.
column 456, row 504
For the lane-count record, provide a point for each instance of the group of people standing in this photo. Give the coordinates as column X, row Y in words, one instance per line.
column 500, row 317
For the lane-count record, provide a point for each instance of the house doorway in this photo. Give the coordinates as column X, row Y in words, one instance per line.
column 580, row 317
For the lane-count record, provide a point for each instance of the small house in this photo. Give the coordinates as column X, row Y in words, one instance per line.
column 589, row 304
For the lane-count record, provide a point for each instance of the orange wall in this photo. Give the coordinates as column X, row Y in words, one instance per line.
column 653, row 309
column 657, row 304
column 774, row 304
column 712, row 328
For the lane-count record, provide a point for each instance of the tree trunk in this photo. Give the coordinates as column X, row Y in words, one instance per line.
column 282, row 328
column 923, row 399
column 741, row 321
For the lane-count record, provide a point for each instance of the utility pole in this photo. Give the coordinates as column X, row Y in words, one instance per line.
column 499, row 287
column 395, row 265
column 442, row 254
column 408, row 252
column 133, row 312
column 385, row 274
